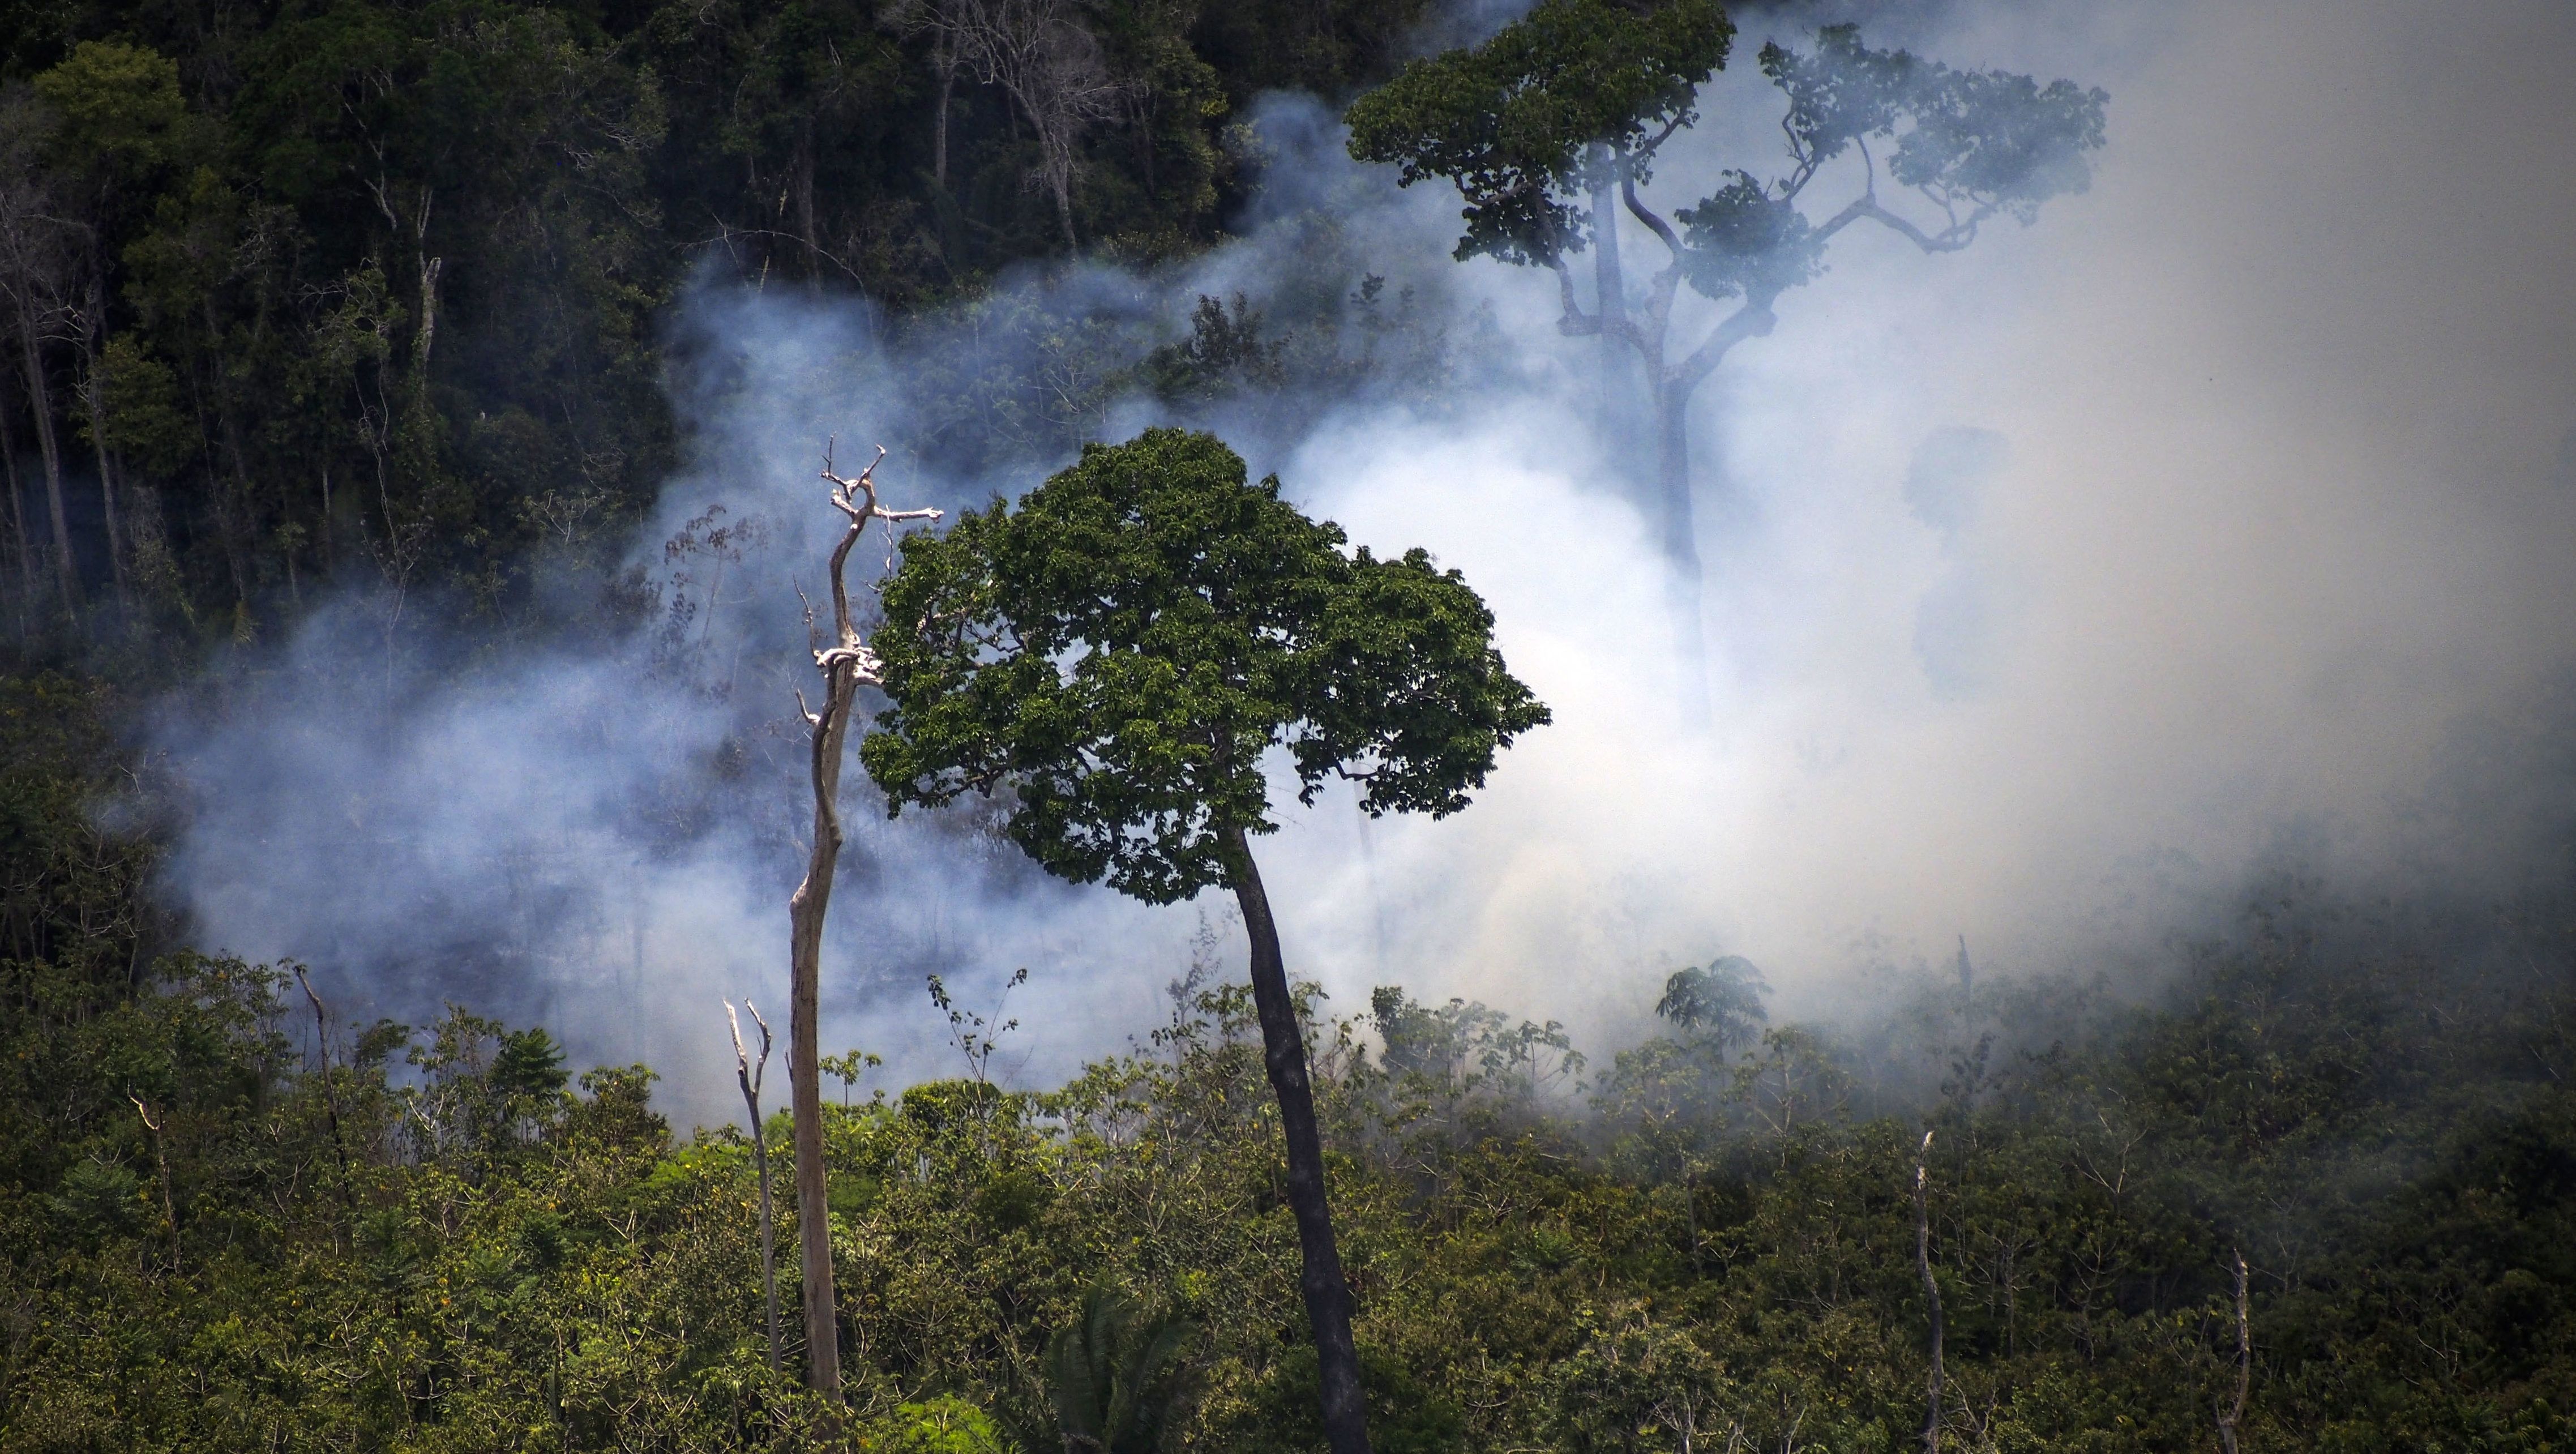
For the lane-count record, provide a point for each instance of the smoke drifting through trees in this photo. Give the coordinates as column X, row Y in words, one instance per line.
column 1579, row 97
column 2269, row 549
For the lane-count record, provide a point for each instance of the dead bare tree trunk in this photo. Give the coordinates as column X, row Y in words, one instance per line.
column 846, row 664
column 161, row 1160
column 2234, row 1415
column 1931, row 1294
column 330, row 1093
column 750, row 1073
column 1051, row 67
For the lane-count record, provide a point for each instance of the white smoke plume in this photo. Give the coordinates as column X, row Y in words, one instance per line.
column 2054, row 587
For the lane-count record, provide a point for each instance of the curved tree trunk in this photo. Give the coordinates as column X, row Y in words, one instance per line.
column 805, row 913
column 846, row 665
column 1283, row 1055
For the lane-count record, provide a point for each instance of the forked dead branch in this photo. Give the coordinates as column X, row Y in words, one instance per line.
column 846, row 664
column 749, row 1073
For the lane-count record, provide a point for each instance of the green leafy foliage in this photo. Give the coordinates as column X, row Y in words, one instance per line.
column 1721, row 1003
column 433, row 1242
column 1510, row 121
column 1122, row 649
column 1581, row 94
column 1115, row 1375
column 377, row 295
column 1112, row 1259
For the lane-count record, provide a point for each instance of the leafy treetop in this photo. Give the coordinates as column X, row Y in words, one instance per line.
column 1582, row 93
column 1511, row 120
column 1124, row 648
column 1721, row 1003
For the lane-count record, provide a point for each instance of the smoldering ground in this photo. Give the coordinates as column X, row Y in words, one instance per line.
column 2056, row 586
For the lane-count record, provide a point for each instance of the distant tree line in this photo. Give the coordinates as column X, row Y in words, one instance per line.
column 292, row 293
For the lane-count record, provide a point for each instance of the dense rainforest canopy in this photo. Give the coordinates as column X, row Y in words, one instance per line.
column 295, row 298
column 294, row 291
column 219, row 1229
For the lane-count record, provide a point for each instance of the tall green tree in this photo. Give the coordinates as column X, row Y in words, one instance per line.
column 1122, row 651
column 1556, row 123
column 118, row 119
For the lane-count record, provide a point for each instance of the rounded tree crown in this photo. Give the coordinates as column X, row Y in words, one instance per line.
column 1121, row 651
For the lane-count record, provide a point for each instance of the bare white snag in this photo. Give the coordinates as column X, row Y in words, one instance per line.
column 161, row 1160
column 330, row 1095
column 750, row 1073
column 1050, row 66
column 846, row 665
column 1931, row 1293
column 2234, row 1414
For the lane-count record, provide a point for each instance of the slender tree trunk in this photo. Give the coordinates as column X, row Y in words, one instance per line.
column 427, row 336
column 1677, row 532
column 2234, row 1415
column 232, row 501
column 1931, row 1295
column 40, row 400
column 1060, row 181
column 161, row 1161
column 845, row 665
column 1675, row 528
column 805, row 230
column 750, row 1076
column 946, row 55
column 768, row 1241
column 26, row 550
column 1283, row 1053
column 331, row 1100
column 1145, row 144
column 94, row 397
column 1610, row 300
column 805, row 913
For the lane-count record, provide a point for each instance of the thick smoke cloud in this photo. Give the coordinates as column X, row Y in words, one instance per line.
column 2054, row 587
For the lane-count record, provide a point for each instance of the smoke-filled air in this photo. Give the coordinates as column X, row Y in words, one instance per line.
column 1988, row 706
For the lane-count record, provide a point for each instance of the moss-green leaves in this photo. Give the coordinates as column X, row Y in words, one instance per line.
column 1122, row 650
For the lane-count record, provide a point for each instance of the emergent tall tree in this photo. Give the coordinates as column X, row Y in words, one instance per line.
column 1121, row 651
column 1572, row 104
column 846, row 664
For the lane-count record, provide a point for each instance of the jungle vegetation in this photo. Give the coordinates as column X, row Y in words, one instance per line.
column 299, row 298
column 229, row 1219
column 378, row 293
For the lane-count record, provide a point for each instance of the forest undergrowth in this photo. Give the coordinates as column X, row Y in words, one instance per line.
column 220, row 1229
